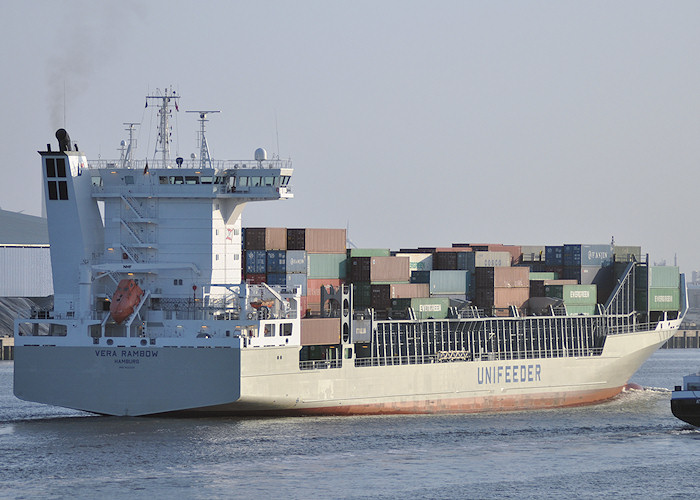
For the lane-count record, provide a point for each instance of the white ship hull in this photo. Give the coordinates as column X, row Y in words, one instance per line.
column 229, row 381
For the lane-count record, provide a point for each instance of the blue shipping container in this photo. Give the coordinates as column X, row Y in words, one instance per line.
column 276, row 279
column 277, row 261
column 255, row 262
column 449, row 282
column 554, row 255
column 296, row 279
column 296, row 261
column 588, row 255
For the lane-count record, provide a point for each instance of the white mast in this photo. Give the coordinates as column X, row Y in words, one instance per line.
column 168, row 99
column 126, row 156
column 204, row 158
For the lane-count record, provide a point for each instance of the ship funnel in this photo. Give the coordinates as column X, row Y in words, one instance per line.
column 63, row 140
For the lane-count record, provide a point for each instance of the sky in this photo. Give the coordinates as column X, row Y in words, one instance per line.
column 411, row 123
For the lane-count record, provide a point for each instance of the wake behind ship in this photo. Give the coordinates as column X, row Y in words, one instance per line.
column 163, row 305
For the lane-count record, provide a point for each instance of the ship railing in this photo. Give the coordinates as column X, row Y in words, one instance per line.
column 630, row 328
column 275, row 163
column 418, row 359
column 321, row 364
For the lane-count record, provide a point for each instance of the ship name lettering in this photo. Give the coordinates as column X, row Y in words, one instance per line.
column 139, row 353
column 509, row 374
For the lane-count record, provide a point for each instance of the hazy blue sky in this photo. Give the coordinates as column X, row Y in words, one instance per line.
column 415, row 123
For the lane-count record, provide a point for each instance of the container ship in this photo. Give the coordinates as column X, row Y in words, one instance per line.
column 165, row 304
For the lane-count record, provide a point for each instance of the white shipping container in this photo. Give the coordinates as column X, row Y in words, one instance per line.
column 25, row 271
column 418, row 261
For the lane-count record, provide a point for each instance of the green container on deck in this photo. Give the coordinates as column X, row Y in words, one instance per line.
column 542, row 276
column 325, row 265
column 575, row 295
column 664, row 277
column 362, row 295
column 664, row 299
column 574, row 310
column 369, row 252
column 424, row 307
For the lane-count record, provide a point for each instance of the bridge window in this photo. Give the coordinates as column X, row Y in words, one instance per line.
column 269, row 181
column 53, row 190
column 60, row 167
column 50, row 167
column 207, row 179
column 128, row 179
column 255, row 181
column 163, row 179
column 243, row 181
column 191, row 179
column 286, row 329
column 284, row 180
column 62, row 190
column 269, row 330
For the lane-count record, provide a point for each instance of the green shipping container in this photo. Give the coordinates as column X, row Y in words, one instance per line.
column 325, row 265
column 575, row 310
column 424, row 307
column 369, row 252
column 362, row 295
column 664, row 299
column 581, row 295
column 664, row 277
column 543, row 276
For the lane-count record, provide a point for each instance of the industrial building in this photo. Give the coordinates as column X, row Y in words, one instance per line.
column 25, row 266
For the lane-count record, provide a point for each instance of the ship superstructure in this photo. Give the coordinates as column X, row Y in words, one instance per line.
column 152, row 314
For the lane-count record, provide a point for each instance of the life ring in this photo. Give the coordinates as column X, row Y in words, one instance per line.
column 251, row 315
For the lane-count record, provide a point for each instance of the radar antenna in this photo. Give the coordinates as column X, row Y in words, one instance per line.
column 127, row 155
column 204, row 158
column 165, row 101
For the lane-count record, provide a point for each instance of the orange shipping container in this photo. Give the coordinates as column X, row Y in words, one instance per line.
column 320, row 331
column 325, row 240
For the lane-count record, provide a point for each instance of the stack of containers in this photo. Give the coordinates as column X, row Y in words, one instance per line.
column 515, row 251
column 364, row 272
column 538, row 285
column 578, row 299
column 590, row 265
column 445, row 283
column 326, row 262
column 664, row 288
column 257, row 241
column 498, row 288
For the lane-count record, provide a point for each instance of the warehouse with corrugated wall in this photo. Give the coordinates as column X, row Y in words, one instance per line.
column 25, row 265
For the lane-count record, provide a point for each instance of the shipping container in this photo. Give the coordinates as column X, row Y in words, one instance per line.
column 276, row 279
column 313, row 287
column 627, row 253
column 368, row 252
column 420, row 276
column 382, row 295
column 501, row 297
column 276, row 262
column 543, row 276
column 446, row 261
column 581, row 310
column 590, row 275
column 581, row 295
column 320, row 331
column 265, row 238
column 296, row 239
column 487, row 259
column 664, row 299
column 424, row 307
column 496, row 277
column 254, row 238
column 326, row 265
column 515, row 251
column 537, row 287
column 418, row 261
column 362, row 295
column 449, row 282
column 294, row 280
column 664, row 277
column 588, row 255
column 296, row 261
column 554, row 255
column 255, row 278
column 325, row 241
column 378, row 269
column 255, row 262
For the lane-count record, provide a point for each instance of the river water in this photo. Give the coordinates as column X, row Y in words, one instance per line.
column 629, row 447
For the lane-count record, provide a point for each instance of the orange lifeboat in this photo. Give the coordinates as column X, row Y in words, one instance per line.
column 127, row 296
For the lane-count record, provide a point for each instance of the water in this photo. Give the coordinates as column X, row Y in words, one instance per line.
column 629, row 447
